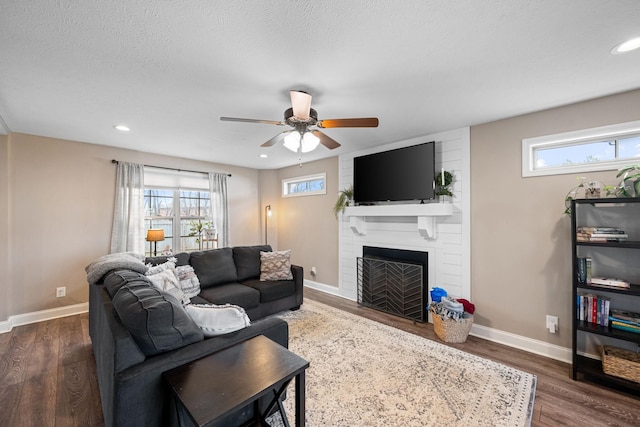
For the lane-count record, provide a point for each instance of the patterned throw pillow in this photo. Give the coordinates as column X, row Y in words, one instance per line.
column 188, row 280
column 165, row 278
column 275, row 265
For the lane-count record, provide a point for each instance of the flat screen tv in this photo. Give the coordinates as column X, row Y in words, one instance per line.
column 403, row 174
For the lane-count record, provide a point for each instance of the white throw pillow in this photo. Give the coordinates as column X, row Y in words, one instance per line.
column 218, row 319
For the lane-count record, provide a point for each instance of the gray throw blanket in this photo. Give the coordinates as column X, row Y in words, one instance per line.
column 122, row 260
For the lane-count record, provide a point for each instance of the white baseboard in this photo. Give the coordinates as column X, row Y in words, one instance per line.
column 328, row 289
column 531, row 345
column 41, row 316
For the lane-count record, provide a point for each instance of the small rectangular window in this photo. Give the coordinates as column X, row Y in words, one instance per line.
column 602, row 148
column 305, row 185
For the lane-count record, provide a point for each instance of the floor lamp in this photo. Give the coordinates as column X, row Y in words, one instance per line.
column 154, row 235
column 267, row 214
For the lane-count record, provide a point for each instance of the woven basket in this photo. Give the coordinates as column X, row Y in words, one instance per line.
column 453, row 331
column 621, row 363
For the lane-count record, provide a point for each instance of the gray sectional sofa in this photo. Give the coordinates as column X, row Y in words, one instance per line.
column 139, row 332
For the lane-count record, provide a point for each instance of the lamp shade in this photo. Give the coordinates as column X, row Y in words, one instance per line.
column 155, row 235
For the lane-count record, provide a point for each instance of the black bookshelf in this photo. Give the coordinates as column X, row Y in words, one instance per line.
column 615, row 211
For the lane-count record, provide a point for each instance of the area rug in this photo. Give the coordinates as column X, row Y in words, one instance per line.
column 364, row 373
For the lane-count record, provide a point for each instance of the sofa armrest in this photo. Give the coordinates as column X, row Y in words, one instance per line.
column 298, row 279
column 141, row 397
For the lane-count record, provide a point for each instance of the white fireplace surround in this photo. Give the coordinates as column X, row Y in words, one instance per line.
column 440, row 229
column 425, row 213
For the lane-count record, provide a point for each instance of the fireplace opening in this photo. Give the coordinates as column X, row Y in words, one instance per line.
column 394, row 281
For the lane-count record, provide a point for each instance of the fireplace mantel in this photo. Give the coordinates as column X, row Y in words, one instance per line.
column 426, row 214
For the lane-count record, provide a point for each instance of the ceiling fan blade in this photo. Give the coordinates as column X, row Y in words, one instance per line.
column 266, row 122
column 364, row 122
column 325, row 140
column 278, row 138
column 301, row 103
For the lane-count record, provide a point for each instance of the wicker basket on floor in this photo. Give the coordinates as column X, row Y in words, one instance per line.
column 621, row 363
column 452, row 331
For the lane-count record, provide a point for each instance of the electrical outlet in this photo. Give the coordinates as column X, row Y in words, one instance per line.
column 61, row 291
column 552, row 324
column 313, row 271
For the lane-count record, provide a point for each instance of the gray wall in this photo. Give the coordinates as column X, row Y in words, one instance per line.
column 56, row 210
column 520, row 239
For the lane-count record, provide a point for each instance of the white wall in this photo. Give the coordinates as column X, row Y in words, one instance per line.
column 449, row 261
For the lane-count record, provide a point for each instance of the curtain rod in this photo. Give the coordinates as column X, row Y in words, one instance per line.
column 114, row 161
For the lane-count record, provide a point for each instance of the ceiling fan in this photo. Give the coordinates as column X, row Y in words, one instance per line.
column 301, row 117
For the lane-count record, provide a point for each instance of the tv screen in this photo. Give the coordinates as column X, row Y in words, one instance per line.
column 397, row 175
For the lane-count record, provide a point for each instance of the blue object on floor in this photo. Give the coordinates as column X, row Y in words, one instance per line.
column 437, row 294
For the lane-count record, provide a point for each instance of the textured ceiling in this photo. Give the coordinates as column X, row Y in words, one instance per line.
column 170, row 69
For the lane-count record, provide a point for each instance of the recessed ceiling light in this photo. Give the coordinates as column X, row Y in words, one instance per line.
column 264, row 156
column 626, row 46
column 122, row 128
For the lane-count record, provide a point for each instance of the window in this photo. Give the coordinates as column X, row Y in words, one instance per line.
column 304, row 185
column 602, row 148
column 178, row 213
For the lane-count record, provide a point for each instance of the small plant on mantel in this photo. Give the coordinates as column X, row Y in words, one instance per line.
column 442, row 189
column 344, row 198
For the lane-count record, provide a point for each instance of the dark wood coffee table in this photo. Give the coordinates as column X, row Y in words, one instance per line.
column 232, row 378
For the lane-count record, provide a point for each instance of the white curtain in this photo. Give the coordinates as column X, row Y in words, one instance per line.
column 127, row 233
column 219, row 209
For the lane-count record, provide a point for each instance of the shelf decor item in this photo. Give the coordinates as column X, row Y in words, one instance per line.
column 345, row 198
column 630, row 184
column 443, row 181
column 621, row 363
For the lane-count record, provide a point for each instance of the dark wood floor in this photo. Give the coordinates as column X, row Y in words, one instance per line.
column 47, row 376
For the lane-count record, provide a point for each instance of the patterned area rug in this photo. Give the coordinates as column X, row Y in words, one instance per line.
column 364, row 373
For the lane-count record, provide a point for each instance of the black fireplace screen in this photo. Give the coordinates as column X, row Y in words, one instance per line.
column 393, row 287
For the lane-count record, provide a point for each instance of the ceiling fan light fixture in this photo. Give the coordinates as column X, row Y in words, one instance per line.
column 301, row 103
column 292, row 141
column 309, row 142
column 626, row 46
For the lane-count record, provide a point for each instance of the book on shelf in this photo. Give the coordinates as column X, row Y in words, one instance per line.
column 591, row 230
column 584, row 270
column 610, row 282
column 614, row 319
column 600, row 234
column 625, row 327
column 627, row 316
column 593, row 309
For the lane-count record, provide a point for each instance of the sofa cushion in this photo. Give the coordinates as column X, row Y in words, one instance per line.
column 218, row 319
column 115, row 279
column 272, row 290
column 232, row 293
column 275, row 265
column 214, row 267
column 156, row 320
column 247, row 259
column 182, row 258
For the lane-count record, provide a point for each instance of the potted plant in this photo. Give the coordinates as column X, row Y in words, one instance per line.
column 198, row 228
column 345, row 196
column 630, row 184
column 442, row 188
